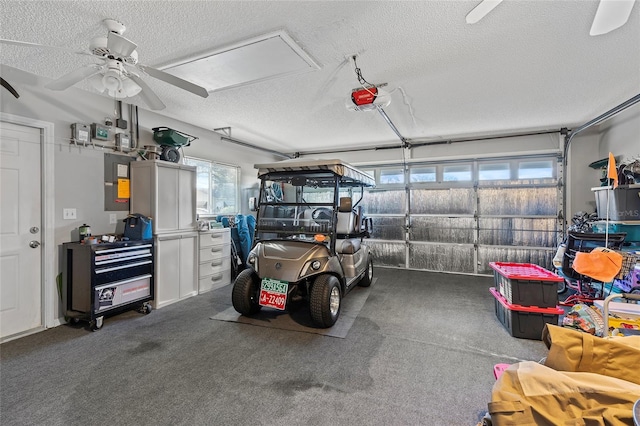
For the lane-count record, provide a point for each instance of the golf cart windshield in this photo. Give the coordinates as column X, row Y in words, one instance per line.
column 299, row 199
column 296, row 206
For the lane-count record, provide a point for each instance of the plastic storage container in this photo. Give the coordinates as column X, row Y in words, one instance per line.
column 631, row 228
column 526, row 284
column 624, row 202
column 524, row 322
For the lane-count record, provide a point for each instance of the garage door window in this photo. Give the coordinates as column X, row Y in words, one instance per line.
column 391, row 176
column 494, row 171
column 423, row 174
column 535, row 169
column 457, row 173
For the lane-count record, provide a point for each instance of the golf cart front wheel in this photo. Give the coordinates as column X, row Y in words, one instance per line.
column 325, row 300
column 245, row 293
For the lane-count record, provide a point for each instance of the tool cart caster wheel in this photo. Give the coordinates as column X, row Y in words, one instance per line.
column 74, row 320
column 145, row 309
column 97, row 324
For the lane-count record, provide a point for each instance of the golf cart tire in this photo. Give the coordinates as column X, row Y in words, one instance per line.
column 367, row 278
column 320, row 306
column 245, row 293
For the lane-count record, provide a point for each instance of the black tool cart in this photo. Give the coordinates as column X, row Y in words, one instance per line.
column 107, row 278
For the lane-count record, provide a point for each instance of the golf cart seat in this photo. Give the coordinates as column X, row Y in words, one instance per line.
column 348, row 228
column 348, row 220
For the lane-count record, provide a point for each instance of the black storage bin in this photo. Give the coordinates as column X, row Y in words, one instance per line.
column 526, row 284
column 525, row 322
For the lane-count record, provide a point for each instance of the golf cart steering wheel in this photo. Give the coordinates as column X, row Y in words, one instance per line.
column 321, row 214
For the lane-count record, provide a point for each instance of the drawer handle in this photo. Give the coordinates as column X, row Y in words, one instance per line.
column 216, row 262
column 216, row 277
column 215, row 249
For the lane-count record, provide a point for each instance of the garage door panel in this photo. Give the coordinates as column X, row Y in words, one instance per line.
column 528, row 232
column 524, row 201
column 442, row 257
column 488, row 254
column 385, row 202
column 388, row 228
column 443, row 201
column 388, row 254
column 458, row 230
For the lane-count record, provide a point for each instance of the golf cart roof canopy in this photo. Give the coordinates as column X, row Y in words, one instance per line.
column 348, row 173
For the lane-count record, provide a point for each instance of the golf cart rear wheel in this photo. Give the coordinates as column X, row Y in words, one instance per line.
column 245, row 293
column 367, row 278
column 325, row 300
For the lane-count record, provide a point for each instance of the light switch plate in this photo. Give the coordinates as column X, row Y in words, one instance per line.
column 113, row 218
column 68, row 214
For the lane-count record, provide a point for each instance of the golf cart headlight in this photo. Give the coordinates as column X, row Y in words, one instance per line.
column 251, row 260
column 315, row 265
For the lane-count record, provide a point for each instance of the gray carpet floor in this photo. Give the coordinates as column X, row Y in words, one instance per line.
column 420, row 351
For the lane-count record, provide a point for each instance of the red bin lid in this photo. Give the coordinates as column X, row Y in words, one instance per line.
column 524, row 271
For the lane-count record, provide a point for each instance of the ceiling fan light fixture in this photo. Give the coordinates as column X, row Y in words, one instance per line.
column 111, row 80
column 96, row 82
column 130, row 88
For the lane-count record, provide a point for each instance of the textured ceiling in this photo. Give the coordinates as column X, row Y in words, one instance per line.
column 528, row 65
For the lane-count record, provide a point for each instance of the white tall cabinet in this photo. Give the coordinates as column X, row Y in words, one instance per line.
column 166, row 192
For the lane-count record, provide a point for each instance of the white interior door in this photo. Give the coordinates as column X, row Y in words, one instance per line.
column 20, row 229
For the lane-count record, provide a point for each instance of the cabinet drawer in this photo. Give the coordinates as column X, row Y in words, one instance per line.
column 121, row 292
column 214, row 266
column 213, row 238
column 214, row 252
column 212, row 282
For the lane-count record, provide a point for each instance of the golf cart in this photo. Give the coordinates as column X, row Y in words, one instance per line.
column 309, row 239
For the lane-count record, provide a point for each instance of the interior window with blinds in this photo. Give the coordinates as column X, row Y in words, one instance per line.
column 217, row 187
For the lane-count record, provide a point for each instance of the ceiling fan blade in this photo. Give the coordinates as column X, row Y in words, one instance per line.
column 120, row 45
column 611, row 14
column 41, row 46
column 481, row 10
column 147, row 94
column 73, row 77
column 176, row 81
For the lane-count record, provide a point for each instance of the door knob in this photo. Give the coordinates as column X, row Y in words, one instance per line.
column 34, row 244
column 34, row 230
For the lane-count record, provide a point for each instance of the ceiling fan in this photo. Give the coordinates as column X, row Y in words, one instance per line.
column 611, row 14
column 118, row 72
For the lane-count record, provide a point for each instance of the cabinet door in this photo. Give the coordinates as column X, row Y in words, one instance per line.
column 186, row 198
column 168, row 273
column 142, row 195
column 167, row 205
column 188, row 265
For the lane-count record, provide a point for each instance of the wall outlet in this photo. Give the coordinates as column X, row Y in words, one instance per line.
column 113, row 218
column 68, row 214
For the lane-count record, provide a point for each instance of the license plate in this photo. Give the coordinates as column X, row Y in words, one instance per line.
column 273, row 293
